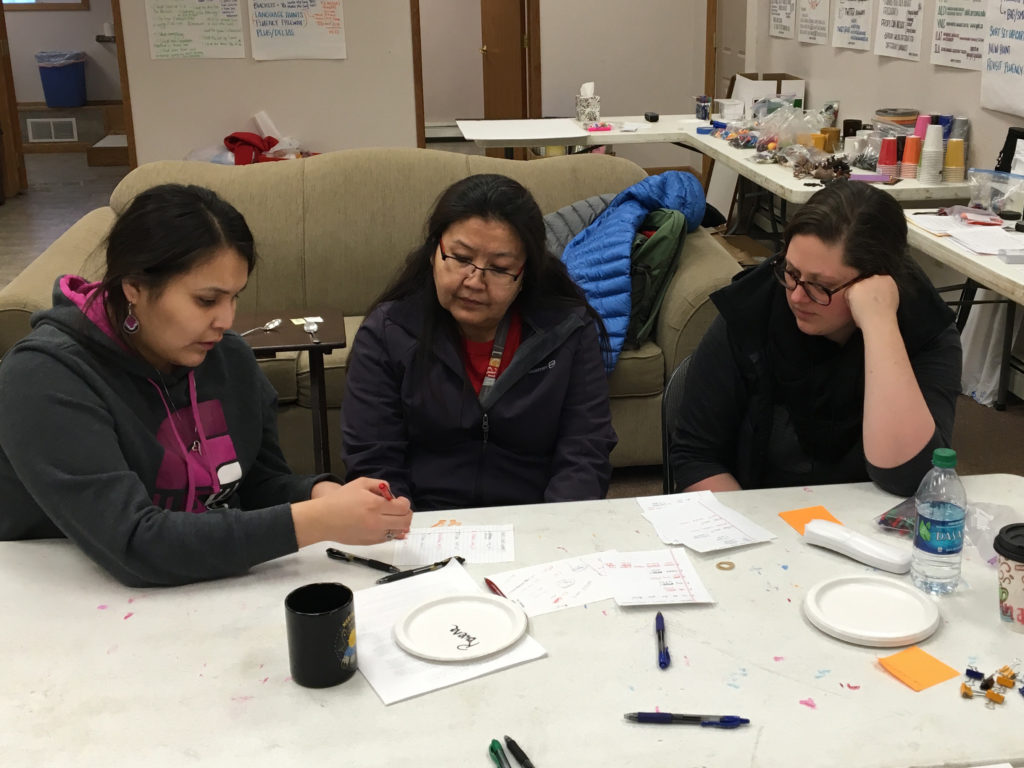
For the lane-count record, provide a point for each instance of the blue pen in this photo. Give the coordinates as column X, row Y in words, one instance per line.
column 659, row 628
column 705, row 721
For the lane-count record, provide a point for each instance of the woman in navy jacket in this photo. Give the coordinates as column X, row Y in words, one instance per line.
column 477, row 379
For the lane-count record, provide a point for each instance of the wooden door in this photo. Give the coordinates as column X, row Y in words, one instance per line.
column 126, row 98
column 502, row 53
column 503, row 58
column 12, row 162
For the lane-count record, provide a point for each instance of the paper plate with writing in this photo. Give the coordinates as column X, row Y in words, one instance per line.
column 461, row 627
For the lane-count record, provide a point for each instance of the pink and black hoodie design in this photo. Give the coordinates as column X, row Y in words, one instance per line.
column 162, row 479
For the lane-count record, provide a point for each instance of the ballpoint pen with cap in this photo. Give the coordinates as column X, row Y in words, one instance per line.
column 659, row 629
column 337, row 554
column 670, row 718
column 422, row 569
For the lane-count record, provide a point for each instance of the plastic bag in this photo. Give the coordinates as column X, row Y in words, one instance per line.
column 867, row 158
column 995, row 191
column 899, row 520
column 59, row 58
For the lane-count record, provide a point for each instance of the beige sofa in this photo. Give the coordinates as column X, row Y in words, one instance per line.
column 331, row 231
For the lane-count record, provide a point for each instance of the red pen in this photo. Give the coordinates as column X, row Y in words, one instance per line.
column 494, row 588
column 386, row 492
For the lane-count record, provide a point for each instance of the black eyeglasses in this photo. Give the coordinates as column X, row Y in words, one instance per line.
column 461, row 263
column 816, row 292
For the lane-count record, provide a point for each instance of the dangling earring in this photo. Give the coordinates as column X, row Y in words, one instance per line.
column 131, row 322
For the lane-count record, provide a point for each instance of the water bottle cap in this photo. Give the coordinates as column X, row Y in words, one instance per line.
column 944, row 457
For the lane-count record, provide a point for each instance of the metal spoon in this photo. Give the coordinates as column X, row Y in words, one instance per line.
column 266, row 327
column 310, row 327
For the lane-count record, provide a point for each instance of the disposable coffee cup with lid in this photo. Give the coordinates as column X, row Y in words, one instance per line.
column 1009, row 547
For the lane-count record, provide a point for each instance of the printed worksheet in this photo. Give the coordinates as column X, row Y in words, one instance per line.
column 700, row 521
column 476, row 543
column 657, row 577
column 550, row 587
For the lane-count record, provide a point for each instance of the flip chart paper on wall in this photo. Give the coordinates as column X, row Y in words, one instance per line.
column 813, row 24
column 285, row 29
column 1002, row 78
column 851, row 24
column 782, row 18
column 898, row 29
column 960, row 36
column 194, row 29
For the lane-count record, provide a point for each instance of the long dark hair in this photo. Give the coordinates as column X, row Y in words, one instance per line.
column 165, row 232
column 492, row 197
column 867, row 222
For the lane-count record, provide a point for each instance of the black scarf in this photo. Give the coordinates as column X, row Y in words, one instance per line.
column 820, row 383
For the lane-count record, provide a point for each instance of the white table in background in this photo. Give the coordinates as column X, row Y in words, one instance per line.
column 95, row 673
column 980, row 270
column 682, row 130
column 757, row 181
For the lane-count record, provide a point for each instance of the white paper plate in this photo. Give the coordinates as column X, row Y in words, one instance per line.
column 461, row 627
column 871, row 610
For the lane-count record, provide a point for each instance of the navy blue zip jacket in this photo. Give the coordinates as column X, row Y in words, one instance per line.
column 543, row 434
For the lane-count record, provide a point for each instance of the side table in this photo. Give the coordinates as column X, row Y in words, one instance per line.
column 289, row 337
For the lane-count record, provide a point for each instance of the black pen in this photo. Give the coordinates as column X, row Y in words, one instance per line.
column 337, row 554
column 421, row 569
column 518, row 753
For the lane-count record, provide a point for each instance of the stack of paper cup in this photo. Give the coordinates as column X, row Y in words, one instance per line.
column 932, row 156
column 887, row 157
column 911, row 157
column 960, row 130
column 921, row 127
column 953, row 167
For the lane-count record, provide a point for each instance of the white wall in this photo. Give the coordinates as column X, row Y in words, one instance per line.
column 643, row 56
column 453, row 80
column 864, row 82
column 31, row 31
column 365, row 100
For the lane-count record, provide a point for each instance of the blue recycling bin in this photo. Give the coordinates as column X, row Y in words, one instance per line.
column 63, row 76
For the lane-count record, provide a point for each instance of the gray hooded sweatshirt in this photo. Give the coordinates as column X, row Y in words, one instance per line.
column 160, row 479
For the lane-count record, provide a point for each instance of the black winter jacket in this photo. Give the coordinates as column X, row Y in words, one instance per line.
column 544, row 433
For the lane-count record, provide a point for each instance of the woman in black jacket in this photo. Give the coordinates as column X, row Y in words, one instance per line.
column 836, row 361
column 477, row 378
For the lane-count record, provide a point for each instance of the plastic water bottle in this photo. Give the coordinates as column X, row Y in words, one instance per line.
column 939, row 533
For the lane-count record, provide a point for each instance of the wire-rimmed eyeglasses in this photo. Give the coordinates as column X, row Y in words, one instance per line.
column 461, row 263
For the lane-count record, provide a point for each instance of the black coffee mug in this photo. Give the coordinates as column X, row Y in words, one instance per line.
column 321, row 622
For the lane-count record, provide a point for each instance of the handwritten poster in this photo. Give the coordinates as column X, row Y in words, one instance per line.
column 960, row 34
column 898, row 30
column 781, row 18
column 297, row 29
column 194, row 29
column 1002, row 78
column 851, row 27
column 813, row 26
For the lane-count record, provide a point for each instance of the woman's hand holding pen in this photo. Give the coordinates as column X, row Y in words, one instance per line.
column 358, row 512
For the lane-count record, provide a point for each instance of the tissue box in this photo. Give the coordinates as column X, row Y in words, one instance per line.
column 588, row 108
column 751, row 86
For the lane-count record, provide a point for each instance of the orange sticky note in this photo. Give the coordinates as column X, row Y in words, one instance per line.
column 917, row 668
column 798, row 518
